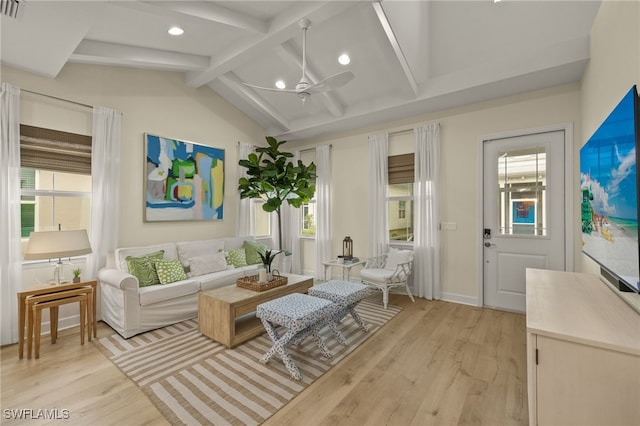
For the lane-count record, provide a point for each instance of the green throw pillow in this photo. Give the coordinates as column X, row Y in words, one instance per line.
column 144, row 269
column 236, row 257
column 251, row 251
column 170, row 271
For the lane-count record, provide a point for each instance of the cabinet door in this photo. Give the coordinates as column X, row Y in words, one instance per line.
column 585, row 385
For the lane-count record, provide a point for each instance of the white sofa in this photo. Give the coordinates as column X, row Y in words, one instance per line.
column 130, row 309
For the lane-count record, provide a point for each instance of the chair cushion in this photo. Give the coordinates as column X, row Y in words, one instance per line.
column 396, row 257
column 376, row 275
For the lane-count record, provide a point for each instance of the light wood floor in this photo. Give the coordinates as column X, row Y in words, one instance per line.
column 435, row 363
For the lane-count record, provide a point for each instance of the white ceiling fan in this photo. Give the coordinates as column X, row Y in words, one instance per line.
column 303, row 88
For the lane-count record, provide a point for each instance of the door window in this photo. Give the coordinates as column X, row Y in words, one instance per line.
column 522, row 179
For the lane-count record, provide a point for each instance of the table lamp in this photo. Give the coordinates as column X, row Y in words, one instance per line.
column 57, row 244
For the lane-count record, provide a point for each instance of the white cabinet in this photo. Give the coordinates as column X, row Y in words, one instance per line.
column 583, row 352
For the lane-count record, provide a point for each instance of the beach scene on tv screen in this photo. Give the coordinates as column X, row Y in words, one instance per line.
column 609, row 206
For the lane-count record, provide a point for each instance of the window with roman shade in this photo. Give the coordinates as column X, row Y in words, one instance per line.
column 400, row 197
column 55, row 180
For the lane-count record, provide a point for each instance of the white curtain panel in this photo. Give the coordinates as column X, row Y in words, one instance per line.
column 378, row 182
column 243, row 223
column 323, row 208
column 426, row 260
column 105, row 187
column 291, row 229
column 10, row 258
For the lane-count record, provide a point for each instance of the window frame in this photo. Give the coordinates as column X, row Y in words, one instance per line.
column 300, row 231
column 256, row 203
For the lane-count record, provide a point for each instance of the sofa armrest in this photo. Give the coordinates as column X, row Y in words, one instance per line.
column 118, row 279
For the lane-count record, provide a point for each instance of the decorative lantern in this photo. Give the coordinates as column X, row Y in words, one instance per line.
column 347, row 248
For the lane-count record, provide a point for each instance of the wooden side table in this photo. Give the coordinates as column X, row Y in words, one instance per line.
column 42, row 289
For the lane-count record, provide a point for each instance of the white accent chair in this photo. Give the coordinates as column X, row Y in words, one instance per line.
column 389, row 270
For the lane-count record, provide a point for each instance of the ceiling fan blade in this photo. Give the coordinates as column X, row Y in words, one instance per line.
column 271, row 89
column 331, row 83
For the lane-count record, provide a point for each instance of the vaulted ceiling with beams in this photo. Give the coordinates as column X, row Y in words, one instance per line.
column 408, row 57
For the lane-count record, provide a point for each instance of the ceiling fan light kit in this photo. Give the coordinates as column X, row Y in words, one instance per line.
column 303, row 88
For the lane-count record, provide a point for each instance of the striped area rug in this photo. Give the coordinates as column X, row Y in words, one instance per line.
column 194, row 380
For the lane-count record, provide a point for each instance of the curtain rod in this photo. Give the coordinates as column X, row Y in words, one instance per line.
column 313, row 149
column 57, row 98
column 401, row 132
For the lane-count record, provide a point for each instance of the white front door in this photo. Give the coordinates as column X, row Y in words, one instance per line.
column 523, row 213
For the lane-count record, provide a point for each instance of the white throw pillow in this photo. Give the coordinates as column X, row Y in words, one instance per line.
column 395, row 257
column 201, row 265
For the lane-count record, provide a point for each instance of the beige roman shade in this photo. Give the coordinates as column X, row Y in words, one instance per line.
column 401, row 168
column 54, row 150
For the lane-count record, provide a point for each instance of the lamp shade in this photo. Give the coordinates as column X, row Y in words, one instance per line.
column 57, row 244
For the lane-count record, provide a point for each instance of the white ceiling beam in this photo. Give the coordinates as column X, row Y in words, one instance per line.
column 234, row 83
column 214, row 13
column 99, row 52
column 386, row 26
column 290, row 55
column 283, row 28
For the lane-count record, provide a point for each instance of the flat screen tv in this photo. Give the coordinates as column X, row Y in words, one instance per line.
column 609, row 185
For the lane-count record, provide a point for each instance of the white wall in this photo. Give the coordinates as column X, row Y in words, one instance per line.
column 459, row 132
column 614, row 67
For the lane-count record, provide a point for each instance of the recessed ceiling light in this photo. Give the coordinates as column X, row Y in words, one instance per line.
column 176, row 31
column 344, row 59
column 280, row 84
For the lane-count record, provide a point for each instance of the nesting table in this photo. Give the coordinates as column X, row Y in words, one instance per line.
column 43, row 289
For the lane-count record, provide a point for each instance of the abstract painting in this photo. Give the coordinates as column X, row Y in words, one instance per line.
column 183, row 180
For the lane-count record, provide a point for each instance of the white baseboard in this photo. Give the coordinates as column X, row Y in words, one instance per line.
column 460, row 298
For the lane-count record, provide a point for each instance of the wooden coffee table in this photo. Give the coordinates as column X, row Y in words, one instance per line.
column 227, row 314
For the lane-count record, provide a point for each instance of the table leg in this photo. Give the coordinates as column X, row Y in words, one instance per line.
column 21, row 318
column 29, row 312
column 90, row 315
column 95, row 309
column 53, row 323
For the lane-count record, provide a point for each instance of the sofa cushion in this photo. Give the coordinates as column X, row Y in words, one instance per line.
column 236, row 257
column 190, row 249
column 159, row 293
column 121, row 254
column 169, row 271
column 207, row 264
column 143, row 268
column 252, row 251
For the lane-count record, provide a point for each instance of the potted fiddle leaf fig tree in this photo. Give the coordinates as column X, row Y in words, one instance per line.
column 275, row 179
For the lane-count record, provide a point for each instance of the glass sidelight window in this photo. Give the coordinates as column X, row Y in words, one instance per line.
column 522, row 180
